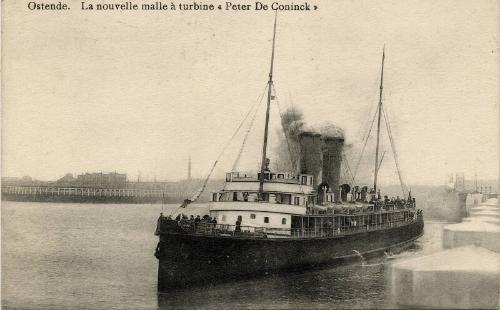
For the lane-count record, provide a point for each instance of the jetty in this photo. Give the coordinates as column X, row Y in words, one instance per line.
column 88, row 194
column 465, row 275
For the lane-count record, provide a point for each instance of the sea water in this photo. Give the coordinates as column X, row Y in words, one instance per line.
column 101, row 256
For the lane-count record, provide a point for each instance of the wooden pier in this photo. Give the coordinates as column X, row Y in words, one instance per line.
column 89, row 194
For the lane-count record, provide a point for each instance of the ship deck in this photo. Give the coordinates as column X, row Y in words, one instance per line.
column 322, row 229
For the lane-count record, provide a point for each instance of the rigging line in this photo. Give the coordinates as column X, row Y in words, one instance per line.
column 393, row 146
column 345, row 170
column 198, row 194
column 236, row 162
column 290, row 153
column 348, row 168
column 345, row 176
column 364, row 144
column 256, row 106
column 374, row 111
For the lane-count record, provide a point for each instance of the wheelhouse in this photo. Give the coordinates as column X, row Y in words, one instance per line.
column 283, row 195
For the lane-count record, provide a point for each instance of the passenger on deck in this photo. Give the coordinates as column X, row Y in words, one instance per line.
column 238, row 226
column 178, row 217
column 197, row 221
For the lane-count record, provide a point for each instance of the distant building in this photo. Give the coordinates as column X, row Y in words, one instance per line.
column 24, row 181
column 102, row 180
column 66, row 181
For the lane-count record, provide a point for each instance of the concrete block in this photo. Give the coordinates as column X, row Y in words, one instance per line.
column 487, row 219
column 485, row 213
column 460, row 278
column 491, row 202
column 484, row 234
column 484, row 208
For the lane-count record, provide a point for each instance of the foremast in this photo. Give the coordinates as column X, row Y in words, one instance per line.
column 379, row 110
column 266, row 128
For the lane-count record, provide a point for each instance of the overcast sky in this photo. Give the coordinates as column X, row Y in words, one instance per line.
column 139, row 91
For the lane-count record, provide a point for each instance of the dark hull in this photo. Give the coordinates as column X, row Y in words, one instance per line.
column 197, row 259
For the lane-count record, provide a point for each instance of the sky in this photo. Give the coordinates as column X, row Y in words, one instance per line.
column 140, row 92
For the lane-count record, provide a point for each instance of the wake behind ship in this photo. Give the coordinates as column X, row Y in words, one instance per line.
column 285, row 220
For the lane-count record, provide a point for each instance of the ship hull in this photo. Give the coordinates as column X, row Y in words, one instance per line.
column 186, row 260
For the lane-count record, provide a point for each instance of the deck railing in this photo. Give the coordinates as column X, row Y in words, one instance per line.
column 211, row 229
column 321, row 232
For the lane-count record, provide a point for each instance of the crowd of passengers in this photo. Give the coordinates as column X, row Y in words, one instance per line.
column 399, row 203
column 378, row 205
column 191, row 221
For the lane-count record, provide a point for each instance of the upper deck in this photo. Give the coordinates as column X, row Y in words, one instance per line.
column 282, row 188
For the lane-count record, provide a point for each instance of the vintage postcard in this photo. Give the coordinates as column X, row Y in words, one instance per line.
column 319, row 154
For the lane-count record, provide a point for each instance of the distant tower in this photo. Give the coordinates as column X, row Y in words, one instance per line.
column 189, row 168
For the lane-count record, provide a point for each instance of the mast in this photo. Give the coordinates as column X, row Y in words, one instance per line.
column 266, row 128
column 379, row 110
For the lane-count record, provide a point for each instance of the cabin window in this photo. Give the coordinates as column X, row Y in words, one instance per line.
column 266, row 219
column 304, row 179
column 281, row 176
column 224, row 218
column 296, row 200
column 214, row 197
column 235, row 196
column 228, row 177
column 283, row 221
column 286, row 199
column 252, row 216
column 266, row 175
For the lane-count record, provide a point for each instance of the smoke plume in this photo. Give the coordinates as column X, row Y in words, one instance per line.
column 287, row 150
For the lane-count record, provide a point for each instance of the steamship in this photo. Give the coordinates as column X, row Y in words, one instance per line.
column 285, row 220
